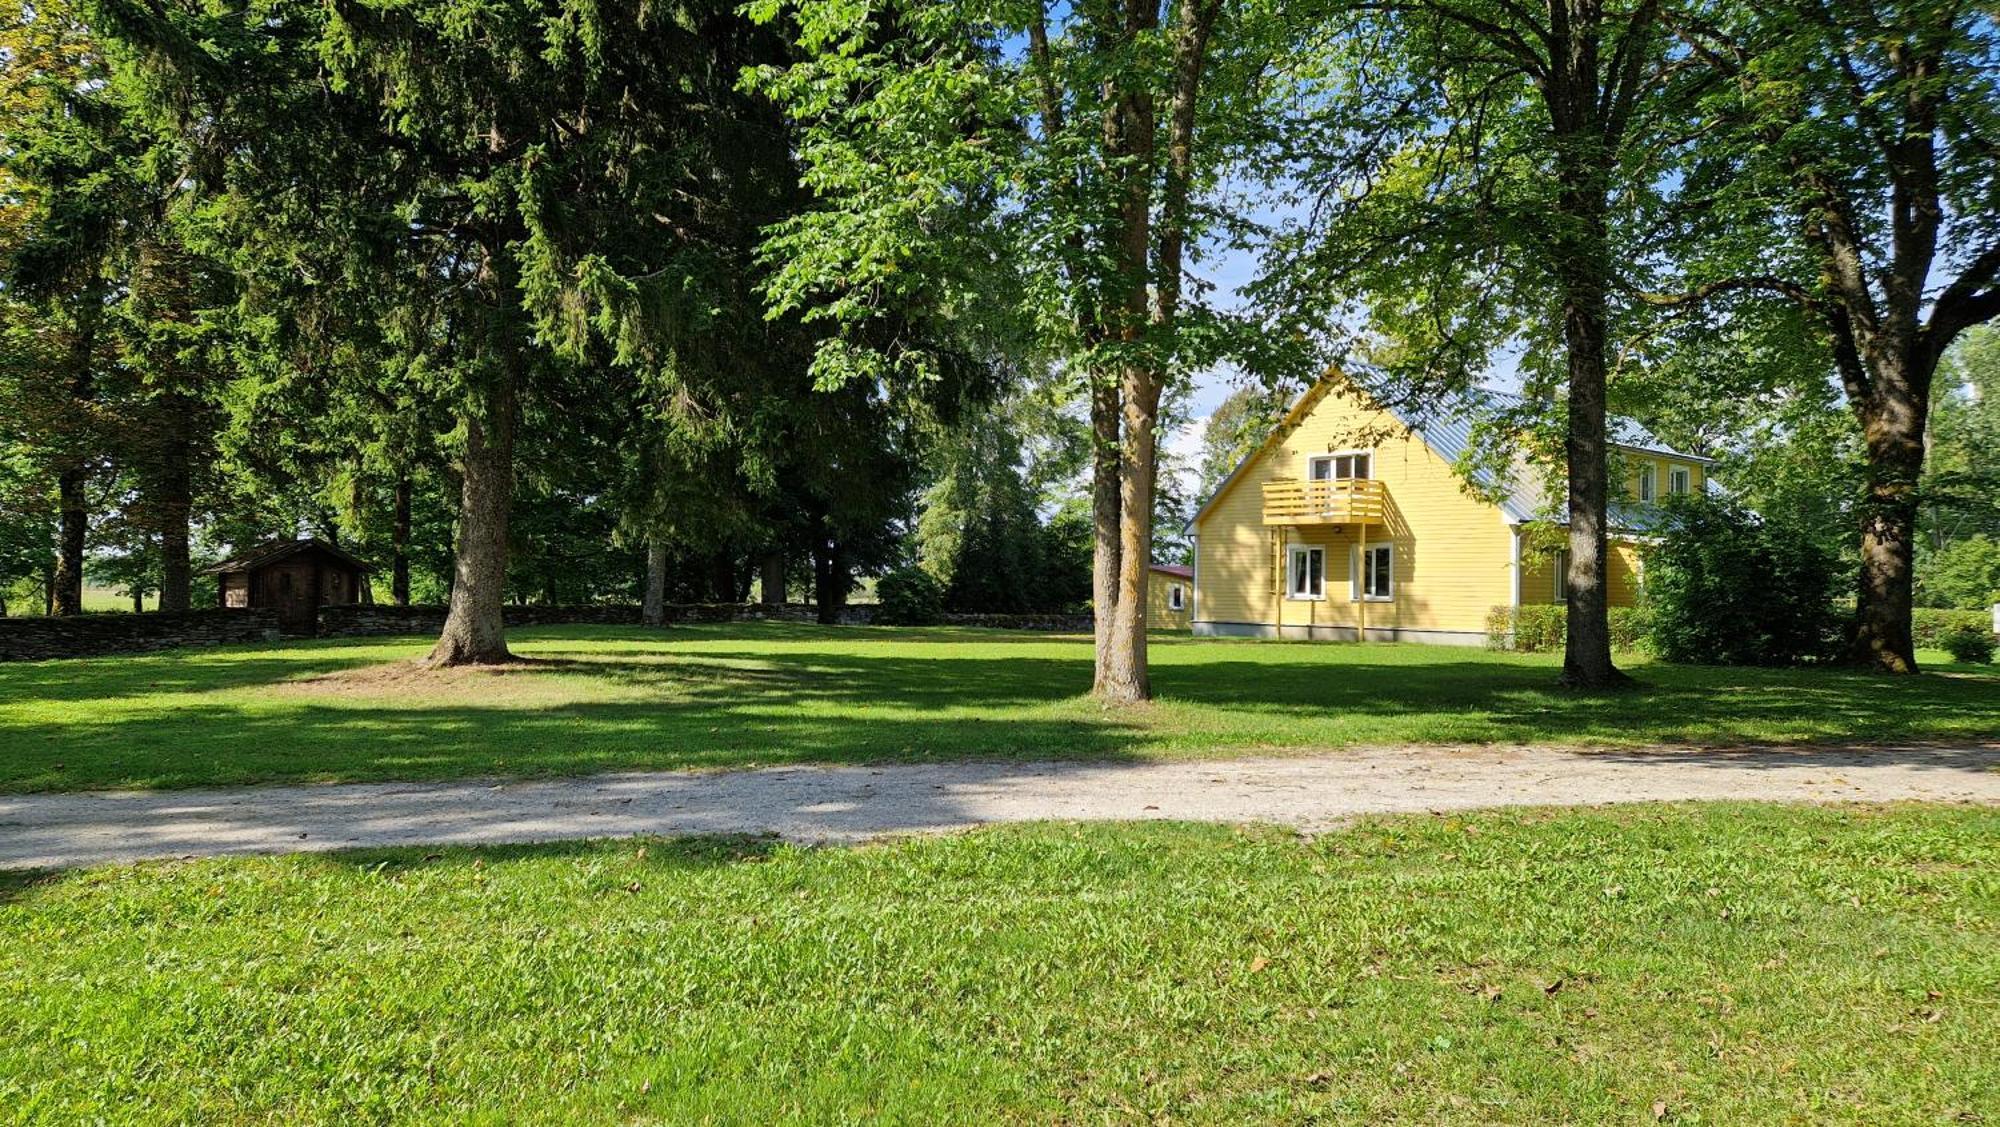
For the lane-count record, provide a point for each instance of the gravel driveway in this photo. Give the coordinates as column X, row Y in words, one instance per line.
column 852, row 803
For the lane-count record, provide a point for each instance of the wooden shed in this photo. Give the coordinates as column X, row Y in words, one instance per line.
column 294, row 578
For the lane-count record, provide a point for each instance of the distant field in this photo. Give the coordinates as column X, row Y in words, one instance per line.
column 589, row 699
column 1713, row 964
column 22, row 604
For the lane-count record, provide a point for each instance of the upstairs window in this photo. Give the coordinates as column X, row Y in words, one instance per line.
column 1308, row 574
column 1647, row 488
column 1352, row 466
column 1679, row 480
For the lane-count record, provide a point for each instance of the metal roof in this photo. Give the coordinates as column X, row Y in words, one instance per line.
column 271, row 551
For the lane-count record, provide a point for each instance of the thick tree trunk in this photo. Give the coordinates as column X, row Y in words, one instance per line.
column 771, row 580
column 1893, row 428
column 1125, row 676
column 829, row 580
column 722, row 577
column 399, row 535
column 139, row 601
column 175, row 503
column 1104, row 531
column 653, row 610
column 475, row 629
column 66, row 582
column 1587, row 643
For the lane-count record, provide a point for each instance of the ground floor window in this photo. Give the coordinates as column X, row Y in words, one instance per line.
column 1308, row 574
column 1176, row 597
column 1561, row 569
column 1376, row 573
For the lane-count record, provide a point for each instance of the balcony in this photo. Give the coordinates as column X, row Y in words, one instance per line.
column 1342, row 501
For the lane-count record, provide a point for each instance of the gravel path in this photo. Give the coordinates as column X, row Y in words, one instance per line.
column 852, row 803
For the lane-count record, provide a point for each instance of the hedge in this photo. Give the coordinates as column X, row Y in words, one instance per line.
column 1930, row 624
column 1542, row 628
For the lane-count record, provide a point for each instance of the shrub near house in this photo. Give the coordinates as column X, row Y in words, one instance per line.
column 1725, row 587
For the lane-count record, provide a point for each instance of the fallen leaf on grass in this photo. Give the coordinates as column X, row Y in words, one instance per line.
column 1659, row 1109
column 1259, row 963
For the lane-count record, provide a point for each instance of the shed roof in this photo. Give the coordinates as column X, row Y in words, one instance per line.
column 1178, row 571
column 271, row 551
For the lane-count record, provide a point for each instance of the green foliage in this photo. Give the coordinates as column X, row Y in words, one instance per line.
column 1540, row 628
column 1964, row 574
column 1931, row 625
column 1727, row 587
column 909, row 596
column 1973, row 645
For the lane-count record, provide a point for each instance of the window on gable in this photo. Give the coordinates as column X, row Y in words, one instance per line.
column 1308, row 574
column 1340, row 467
column 1646, row 483
column 1679, row 481
column 1376, row 578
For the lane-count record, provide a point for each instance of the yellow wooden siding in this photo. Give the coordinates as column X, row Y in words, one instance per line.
column 1538, row 576
column 1452, row 553
column 1160, row 614
column 1662, row 466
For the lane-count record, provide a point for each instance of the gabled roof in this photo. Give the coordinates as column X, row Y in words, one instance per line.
column 271, row 551
column 1178, row 571
column 1449, row 434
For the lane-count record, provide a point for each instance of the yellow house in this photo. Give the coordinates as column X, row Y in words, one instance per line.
column 1169, row 594
column 1349, row 521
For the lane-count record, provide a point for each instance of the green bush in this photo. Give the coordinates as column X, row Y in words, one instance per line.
column 1726, row 587
column 1930, row 625
column 1970, row 645
column 1542, row 628
column 909, row 596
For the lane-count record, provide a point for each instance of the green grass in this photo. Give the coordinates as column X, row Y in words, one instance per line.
column 599, row 699
column 1737, row 964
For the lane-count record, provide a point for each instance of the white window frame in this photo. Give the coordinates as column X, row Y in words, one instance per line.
column 1357, row 574
column 1559, row 578
column 1649, row 478
column 1293, row 555
column 1176, row 597
column 1363, row 460
column 1680, row 481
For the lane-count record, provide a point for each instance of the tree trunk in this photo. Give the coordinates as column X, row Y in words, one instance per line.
column 1581, row 250
column 175, row 503
column 475, row 628
column 1104, row 530
column 722, row 577
column 399, row 568
column 66, row 583
column 829, row 580
column 1893, row 427
column 771, row 582
column 1125, row 677
column 653, row 610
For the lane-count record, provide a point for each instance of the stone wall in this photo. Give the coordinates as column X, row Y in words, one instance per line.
column 1056, row 623
column 87, row 635
column 359, row 620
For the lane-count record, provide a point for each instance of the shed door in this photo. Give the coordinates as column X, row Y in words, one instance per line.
column 290, row 594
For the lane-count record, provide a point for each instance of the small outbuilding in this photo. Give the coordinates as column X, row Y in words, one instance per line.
column 1169, row 588
column 294, row 578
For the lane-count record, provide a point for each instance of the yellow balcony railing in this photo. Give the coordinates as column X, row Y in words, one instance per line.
column 1345, row 501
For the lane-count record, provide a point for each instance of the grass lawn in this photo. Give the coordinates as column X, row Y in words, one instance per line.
column 599, row 698
column 1733, row 963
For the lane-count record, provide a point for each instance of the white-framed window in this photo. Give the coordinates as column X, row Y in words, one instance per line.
column 1647, row 482
column 1349, row 465
column 1372, row 575
column 1679, row 480
column 1307, row 574
column 1559, row 572
column 1176, row 597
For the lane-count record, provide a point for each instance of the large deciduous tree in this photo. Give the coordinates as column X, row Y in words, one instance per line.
column 982, row 167
column 1477, row 173
column 1849, row 159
